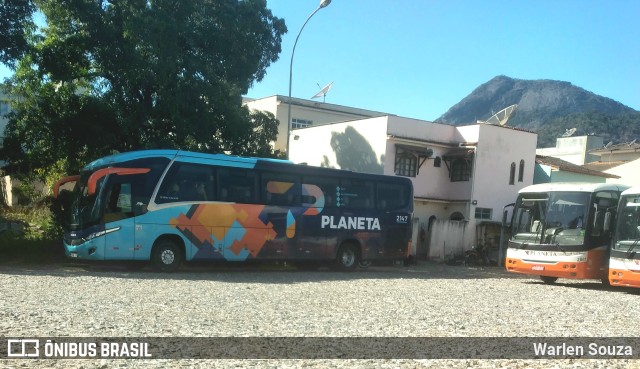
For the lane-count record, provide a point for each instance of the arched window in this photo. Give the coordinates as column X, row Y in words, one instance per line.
column 456, row 216
column 406, row 165
column 512, row 174
column 521, row 171
column 460, row 170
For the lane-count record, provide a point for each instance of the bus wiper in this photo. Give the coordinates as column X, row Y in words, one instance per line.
column 557, row 244
column 633, row 245
column 541, row 230
column 555, row 233
column 553, row 238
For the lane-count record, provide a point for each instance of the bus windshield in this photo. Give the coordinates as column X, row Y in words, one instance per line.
column 628, row 228
column 85, row 208
column 550, row 218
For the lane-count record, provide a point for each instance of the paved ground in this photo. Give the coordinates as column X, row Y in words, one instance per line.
column 204, row 300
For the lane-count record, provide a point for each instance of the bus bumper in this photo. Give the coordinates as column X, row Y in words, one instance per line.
column 624, row 278
column 87, row 251
column 624, row 272
column 577, row 270
column 575, row 265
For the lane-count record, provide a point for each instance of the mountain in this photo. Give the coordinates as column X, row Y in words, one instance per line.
column 546, row 107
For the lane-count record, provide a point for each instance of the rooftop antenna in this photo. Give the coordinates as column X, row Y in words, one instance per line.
column 632, row 142
column 608, row 145
column 323, row 91
column 502, row 116
column 569, row 132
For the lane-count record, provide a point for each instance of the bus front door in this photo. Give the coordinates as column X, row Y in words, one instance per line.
column 119, row 223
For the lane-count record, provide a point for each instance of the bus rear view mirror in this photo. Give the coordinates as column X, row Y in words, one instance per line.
column 95, row 177
column 608, row 216
column 140, row 208
column 63, row 181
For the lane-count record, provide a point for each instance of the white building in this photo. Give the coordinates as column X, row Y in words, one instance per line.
column 576, row 150
column 305, row 113
column 622, row 160
column 5, row 181
column 619, row 163
column 463, row 176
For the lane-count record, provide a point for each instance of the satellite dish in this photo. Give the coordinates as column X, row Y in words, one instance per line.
column 632, row 142
column 608, row 145
column 323, row 92
column 502, row 116
column 569, row 132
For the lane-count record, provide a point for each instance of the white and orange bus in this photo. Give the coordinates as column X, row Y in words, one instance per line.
column 624, row 262
column 563, row 230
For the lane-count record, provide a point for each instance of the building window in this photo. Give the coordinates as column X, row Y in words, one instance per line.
column 460, row 170
column 300, row 123
column 4, row 108
column 456, row 216
column 512, row 174
column 484, row 213
column 406, row 165
column 521, row 171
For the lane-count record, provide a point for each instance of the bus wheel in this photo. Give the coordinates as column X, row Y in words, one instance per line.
column 605, row 281
column 348, row 258
column 364, row 264
column 548, row 280
column 166, row 256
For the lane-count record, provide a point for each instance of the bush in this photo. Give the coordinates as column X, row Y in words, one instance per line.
column 29, row 234
column 37, row 221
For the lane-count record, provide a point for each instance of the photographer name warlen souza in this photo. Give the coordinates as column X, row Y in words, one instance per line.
column 593, row 349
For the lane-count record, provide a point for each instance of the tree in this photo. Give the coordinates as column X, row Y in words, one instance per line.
column 136, row 74
column 15, row 23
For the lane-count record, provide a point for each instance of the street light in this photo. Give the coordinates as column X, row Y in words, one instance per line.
column 323, row 4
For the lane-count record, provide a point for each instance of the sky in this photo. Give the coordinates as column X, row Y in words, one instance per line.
column 418, row 58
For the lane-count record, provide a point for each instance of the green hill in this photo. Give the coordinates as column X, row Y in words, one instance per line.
column 548, row 108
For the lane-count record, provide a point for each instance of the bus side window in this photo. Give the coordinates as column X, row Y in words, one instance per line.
column 237, row 185
column 187, row 182
column 392, row 196
column 118, row 202
column 328, row 187
column 280, row 189
column 603, row 207
column 356, row 194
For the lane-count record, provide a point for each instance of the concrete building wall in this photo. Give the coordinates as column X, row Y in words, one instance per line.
column 498, row 148
column 4, row 110
column 563, row 176
column 574, row 149
column 431, row 182
column 358, row 145
column 629, row 173
column 308, row 110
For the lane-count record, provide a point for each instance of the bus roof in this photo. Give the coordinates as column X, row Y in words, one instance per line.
column 573, row 186
column 632, row 191
column 233, row 161
column 177, row 154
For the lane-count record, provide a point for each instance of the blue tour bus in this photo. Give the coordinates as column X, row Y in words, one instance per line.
column 169, row 206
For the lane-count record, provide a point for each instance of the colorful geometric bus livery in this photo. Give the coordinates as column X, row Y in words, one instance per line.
column 242, row 230
column 167, row 206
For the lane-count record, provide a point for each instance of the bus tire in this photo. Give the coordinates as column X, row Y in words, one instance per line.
column 166, row 256
column 348, row 258
column 548, row 280
column 364, row 264
column 605, row 281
